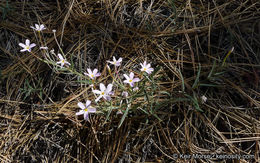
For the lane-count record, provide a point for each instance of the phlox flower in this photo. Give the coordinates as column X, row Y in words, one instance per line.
column 38, row 27
column 92, row 74
column 130, row 79
column 115, row 62
column 204, row 99
column 27, row 46
column 62, row 60
column 146, row 67
column 135, row 89
column 52, row 52
column 104, row 92
column 125, row 94
column 86, row 109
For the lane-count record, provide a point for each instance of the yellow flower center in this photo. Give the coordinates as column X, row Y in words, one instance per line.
column 92, row 75
column 27, row 47
column 114, row 63
column 63, row 61
column 130, row 80
column 145, row 69
column 86, row 109
column 102, row 93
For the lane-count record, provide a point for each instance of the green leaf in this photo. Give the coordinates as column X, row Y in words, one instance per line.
column 164, row 92
column 84, row 81
column 143, row 110
column 195, row 102
column 212, row 69
column 209, row 85
column 195, row 84
column 182, row 81
column 124, row 116
column 224, row 61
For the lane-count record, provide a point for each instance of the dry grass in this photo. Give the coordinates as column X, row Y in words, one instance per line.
column 189, row 40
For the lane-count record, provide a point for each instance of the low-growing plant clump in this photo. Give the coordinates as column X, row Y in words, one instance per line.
column 129, row 81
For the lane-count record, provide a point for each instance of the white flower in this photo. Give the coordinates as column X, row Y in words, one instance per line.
column 92, row 74
column 135, row 89
column 104, row 92
column 52, row 52
column 54, row 30
column 44, row 47
column 131, row 80
column 38, row 27
column 119, row 112
column 27, row 46
column 86, row 109
column 146, row 67
column 62, row 60
column 125, row 94
column 204, row 99
column 115, row 62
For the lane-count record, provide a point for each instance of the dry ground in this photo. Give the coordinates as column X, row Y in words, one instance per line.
column 191, row 41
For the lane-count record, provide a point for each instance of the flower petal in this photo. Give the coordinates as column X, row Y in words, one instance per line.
column 42, row 27
column 59, row 62
column 80, row 112
column 92, row 110
column 110, row 62
column 86, row 116
column 126, row 81
column 22, row 45
column 62, row 64
column 66, row 62
column 106, row 97
column 97, row 74
column 89, row 71
column 32, row 45
column 102, row 87
column 81, row 105
column 95, row 71
column 23, row 50
column 131, row 75
column 27, row 42
column 136, row 80
column 127, row 78
column 132, row 84
column 88, row 103
column 60, row 56
column 98, row 98
column 96, row 91
column 109, row 88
